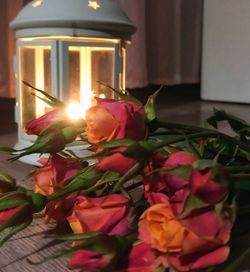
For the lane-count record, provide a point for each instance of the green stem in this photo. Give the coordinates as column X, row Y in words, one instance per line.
column 167, row 125
column 177, row 139
column 226, row 137
column 133, row 172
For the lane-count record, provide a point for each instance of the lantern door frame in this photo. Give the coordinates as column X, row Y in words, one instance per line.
column 59, row 61
column 18, row 70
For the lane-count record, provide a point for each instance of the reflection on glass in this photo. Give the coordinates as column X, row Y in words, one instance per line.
column 35, row 66
column 87, row 67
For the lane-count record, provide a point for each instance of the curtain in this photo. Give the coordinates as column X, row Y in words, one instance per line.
column 166, row 48
column 8, row 11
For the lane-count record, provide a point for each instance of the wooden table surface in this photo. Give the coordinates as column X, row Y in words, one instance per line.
column 14, row 254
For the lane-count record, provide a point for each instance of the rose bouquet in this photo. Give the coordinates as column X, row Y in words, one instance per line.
column 151, row 196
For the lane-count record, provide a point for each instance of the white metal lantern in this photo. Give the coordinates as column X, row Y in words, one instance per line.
column 65, row 48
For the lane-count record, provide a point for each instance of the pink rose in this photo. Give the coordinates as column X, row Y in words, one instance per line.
column 88, row 261
column 108, row 214
column 116, row 163
column 5, row 215
column 166, row 182
column 112, row 119
column 204, row 187
column 60, row 209
column 188, row 239
column 141, row 258
column 53, row 175
column 38, row 125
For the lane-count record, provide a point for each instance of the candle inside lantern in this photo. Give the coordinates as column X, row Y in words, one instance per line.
column 75, row 111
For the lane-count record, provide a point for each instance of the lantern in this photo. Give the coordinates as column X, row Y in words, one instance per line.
column 67, row 48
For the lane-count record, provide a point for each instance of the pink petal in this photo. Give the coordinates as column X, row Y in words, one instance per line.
column 200, row 261
column 180, row 158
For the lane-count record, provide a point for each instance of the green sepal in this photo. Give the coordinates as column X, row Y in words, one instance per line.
column 192, row 202
column 150, row 106
column 84, row 180
column 123, row 96
column 69, row 134
column 38, row 201
column 52, row 101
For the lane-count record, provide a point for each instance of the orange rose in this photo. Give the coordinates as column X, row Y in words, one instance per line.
column 43, row 181
column 193, row 241
column 159, row 228
column 111, row 119
column 53, row 175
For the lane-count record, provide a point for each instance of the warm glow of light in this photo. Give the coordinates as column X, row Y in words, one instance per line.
column 69, row 38
column 103, row 96
column 86, row 79
column 75, row 111
column 40, row 105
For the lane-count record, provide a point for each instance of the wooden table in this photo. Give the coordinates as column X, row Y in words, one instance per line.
column 14, row 254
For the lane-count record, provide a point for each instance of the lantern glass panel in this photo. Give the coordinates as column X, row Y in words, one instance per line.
column 87, row 67
column 35, row 68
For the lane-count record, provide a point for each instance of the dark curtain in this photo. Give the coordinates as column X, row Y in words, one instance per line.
column 165, row 50
column 8, row 11
column 167, row 46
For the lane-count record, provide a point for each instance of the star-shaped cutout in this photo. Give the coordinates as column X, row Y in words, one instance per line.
column 94, row 5
column 37, row 3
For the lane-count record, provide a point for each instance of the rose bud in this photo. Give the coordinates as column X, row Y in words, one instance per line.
column 36, row 126
column 50, row 141
column 88, row 260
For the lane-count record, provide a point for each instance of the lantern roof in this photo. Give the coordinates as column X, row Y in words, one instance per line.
column 77, row 18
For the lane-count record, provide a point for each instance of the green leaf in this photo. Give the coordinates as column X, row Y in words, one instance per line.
column 84, row 180
column 235, row 123
column 10, row 203
column 109, row 177
column 204, row 164
column 182, row 171
column 75, row 237
column 133, row 172
column 150, row 106
column 117, row 143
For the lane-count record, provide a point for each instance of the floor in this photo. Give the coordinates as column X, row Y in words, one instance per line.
column 174, row 104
